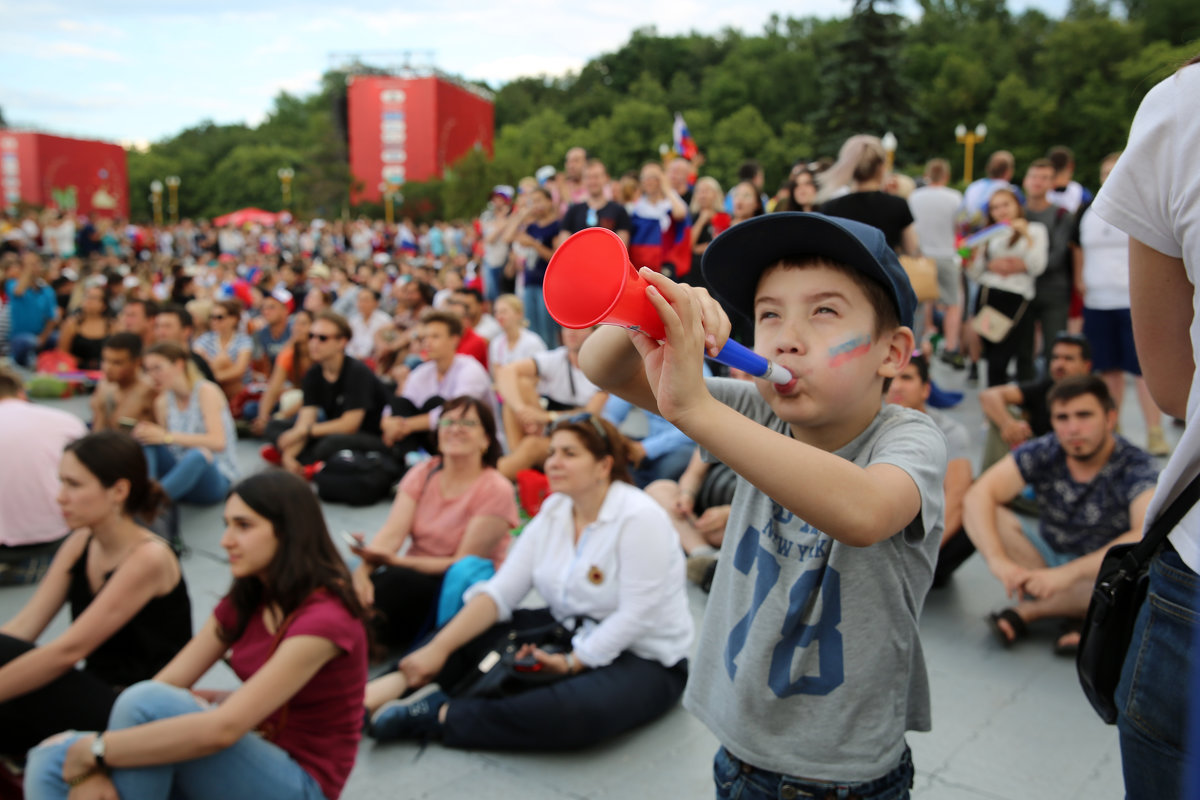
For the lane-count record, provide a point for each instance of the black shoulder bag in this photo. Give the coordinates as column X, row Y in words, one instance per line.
column 1116, row 600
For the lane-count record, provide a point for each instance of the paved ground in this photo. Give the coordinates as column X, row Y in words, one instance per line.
column 1008, row 725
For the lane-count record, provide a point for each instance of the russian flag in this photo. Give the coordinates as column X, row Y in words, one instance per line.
column 405, row 241
column 685, row 145
column 646, row 242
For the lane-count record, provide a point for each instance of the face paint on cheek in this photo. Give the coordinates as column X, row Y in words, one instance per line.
column 849, row 350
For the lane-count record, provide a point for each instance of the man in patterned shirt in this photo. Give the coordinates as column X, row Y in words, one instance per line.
column 1092, row 488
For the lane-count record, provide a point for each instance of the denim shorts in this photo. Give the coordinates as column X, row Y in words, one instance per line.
column 737, row 780
column 1031, row 528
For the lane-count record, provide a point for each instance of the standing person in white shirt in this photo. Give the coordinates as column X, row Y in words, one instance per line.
column 1151, row 196
column 935, row 209
column 365, row 323
column 605, row 558
column 1101, row 261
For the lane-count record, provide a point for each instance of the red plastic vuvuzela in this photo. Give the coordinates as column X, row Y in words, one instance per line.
column 591, row 281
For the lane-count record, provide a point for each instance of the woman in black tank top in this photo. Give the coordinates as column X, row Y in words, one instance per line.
column 129, row 603
column 83, row 333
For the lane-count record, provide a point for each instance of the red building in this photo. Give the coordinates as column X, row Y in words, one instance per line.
column 411, row 129
column 74, row 175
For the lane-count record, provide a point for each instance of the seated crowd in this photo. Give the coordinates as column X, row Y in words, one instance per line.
column 366, row 369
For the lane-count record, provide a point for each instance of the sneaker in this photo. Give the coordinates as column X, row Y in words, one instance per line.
column 698, row 563
column 312, row 469
column 411, row 717
column 1156, row 443
column 955, row 359
column 973, row 372
column 270, row 454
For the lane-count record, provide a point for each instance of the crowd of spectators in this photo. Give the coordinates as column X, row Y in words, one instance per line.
column 429, row 347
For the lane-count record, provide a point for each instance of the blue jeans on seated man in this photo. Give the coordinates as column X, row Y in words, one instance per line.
column 190, row 479
column 667, row 466
column 1152, row 702
column 251, row 769
column 23, row 347
column 737, row 780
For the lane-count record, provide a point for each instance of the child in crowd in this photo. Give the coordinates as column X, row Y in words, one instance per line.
column 810, row 662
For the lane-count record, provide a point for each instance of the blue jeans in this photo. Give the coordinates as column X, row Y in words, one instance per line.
column 668, row 466
column 492, row 277
column 1152, row 700
column 23, row 348
column 191, row 479
column 251, row 769
column 540, row 321
column 737, row 780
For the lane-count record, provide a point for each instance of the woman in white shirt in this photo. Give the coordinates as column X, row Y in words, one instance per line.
column 604, row 557
column 515, row 341
column 1102, row 275
column 1006, row 268
column 1150, row 195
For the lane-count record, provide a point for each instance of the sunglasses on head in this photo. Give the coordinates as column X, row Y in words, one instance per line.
column 588, row 416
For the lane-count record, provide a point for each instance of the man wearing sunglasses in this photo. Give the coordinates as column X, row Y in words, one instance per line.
column 342, row 403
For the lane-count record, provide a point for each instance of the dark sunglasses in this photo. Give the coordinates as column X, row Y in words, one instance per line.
column 320, row 337
column 218, row 317
column 588, row 416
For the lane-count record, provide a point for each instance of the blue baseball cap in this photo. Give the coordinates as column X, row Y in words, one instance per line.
column 737, row 258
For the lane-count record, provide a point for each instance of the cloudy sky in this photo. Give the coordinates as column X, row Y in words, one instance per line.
column 136, row 71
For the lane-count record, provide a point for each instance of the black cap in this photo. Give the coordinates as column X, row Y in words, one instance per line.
column 736, row 259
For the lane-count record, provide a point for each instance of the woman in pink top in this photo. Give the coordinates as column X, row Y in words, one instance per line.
column 294, row 631
column 449, row 507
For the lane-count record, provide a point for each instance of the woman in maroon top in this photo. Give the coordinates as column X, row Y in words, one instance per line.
column 294, row 628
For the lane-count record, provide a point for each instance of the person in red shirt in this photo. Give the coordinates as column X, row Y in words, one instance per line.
column 294, row 629
column 472, row 344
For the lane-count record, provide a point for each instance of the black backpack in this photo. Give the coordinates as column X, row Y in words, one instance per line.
column 357, row 478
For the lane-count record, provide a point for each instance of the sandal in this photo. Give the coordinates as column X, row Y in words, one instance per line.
column 1068, row 649
column 1019, row 629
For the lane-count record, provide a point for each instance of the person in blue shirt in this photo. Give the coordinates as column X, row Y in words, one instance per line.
column 663, row 454
column 33, row 311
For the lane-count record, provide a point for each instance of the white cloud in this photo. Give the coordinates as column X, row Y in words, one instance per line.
column 506, row 68
column 89, row 27
column 85, row 51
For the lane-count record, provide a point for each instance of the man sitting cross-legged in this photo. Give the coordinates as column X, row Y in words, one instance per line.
column 1092, row 488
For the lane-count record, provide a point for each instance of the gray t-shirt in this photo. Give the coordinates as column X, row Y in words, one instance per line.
column 958, row 441
column 810, row 661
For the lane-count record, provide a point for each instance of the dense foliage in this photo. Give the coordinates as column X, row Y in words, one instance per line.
column 794, row 91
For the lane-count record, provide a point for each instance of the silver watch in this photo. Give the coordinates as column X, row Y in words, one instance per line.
column 98, row 751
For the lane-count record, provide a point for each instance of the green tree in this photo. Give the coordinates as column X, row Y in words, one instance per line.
column 865, row 92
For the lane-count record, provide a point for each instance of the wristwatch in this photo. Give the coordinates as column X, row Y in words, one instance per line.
column 169, row 439
column 98, row 751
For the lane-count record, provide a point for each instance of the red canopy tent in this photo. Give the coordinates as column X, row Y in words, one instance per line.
column 246, row 216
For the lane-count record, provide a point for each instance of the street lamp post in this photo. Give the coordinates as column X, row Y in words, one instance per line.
column 889, row 147
column 285, row 181
column 173, row 198
column 389, row 202
column 969, row 139
column 156, row 188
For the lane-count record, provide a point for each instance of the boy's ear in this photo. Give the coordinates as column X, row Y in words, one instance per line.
column 900, row 344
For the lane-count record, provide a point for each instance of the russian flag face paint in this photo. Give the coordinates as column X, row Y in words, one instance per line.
column 849, row 350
